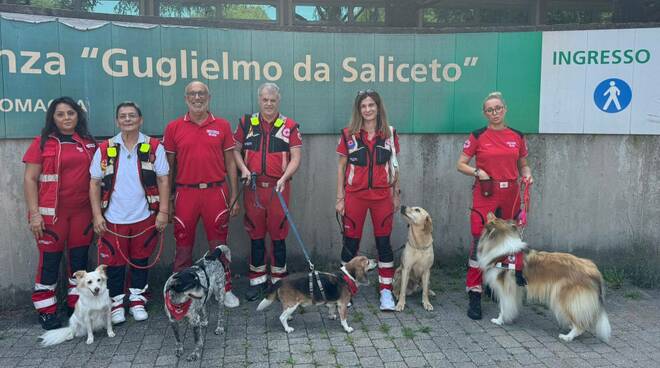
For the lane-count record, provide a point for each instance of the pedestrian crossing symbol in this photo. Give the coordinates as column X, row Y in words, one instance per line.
column 612, row 95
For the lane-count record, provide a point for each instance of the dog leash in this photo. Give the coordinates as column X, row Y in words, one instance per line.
column 312, row 272
column 524, row 205
column 121, row 253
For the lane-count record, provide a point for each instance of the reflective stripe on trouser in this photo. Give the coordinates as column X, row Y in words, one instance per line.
column 385, row 262
column 72, row 231
column 504, row 203
column 190, row 204
column 278, row 261
column 44, row 299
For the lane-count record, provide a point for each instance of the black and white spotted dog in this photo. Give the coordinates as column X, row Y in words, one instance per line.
column 186, row 293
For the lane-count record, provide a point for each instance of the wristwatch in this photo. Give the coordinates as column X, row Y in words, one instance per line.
column 476, row 173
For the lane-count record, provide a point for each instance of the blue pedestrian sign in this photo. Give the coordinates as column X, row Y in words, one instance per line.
column 612, row 95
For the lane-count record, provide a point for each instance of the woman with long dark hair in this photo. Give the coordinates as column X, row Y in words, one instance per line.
column 367, row 179
column 56, row 185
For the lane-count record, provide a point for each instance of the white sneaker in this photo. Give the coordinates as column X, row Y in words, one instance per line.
column 138, row 312
column 386, row 300
column 118, row 316
column 231, row 301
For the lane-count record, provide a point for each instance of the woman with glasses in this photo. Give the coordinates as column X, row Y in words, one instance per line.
column 56, row 185
column 500, row 158
column 367, row 179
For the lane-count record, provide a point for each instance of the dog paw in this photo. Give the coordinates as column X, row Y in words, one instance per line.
column 428, row 306
column 219, row 330
column 288, row 329
column 193, row 356
column 179, row 350
column 400, row 306
column 349, row 329
column 90, row 340
column 111, row 334
column 497, row 321
column 565, row 337
column 332, row 316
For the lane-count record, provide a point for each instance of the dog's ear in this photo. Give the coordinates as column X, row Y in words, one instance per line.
column 428, row 225
column 490, row 217
column 102, row 269
column 79, row 275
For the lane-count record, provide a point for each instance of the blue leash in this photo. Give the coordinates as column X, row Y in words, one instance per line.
column 294, row 228
column 312, row 272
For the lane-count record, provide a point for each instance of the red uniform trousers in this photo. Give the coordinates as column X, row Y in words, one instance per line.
column 72, row 230
column 262, row 217
column 503, row 202
column 382, row 211
column 138, row 248
column 211, row 205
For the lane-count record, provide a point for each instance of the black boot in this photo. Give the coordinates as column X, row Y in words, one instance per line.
column 255, row 292
column 474, row 311
column 49, row 321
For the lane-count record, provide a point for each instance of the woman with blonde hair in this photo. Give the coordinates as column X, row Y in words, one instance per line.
column 500, row 159
column 367, row 179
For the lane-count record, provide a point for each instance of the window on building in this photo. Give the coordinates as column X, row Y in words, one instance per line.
column 362, row 14
column 321, row 14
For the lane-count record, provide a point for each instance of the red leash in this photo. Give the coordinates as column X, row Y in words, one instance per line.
column 524, row 203
column 121, row 253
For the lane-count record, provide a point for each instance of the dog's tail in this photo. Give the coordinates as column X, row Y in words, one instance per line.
column 271, row 296
column 603, row 329
column 58, row 336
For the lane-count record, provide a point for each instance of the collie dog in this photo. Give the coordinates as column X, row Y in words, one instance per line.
column 571, row 287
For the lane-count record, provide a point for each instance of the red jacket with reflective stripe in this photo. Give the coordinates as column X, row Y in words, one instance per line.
column 49, row 178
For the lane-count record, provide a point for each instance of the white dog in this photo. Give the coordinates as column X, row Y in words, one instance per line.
column 92, row 310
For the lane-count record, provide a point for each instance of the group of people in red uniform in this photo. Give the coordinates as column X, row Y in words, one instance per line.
column 127, row 188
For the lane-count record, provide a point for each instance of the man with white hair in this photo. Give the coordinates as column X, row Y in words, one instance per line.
column 268, row 144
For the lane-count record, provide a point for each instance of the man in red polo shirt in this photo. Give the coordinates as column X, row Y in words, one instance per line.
column 199, row 149
column 269, row 145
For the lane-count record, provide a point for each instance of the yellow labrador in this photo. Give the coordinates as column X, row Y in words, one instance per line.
column 417, row 258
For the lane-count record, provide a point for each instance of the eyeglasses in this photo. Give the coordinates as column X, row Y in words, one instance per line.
column 366, row 91
column 497, row 109
column 200, row 94
column 127, row 116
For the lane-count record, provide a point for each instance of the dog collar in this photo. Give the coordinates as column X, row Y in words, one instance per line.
column 177, row 311
column 511, row 262
column 352, row 285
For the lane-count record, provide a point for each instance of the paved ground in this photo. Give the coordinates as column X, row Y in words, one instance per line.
column 444, row 337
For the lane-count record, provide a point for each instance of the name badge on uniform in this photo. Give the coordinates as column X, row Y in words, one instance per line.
column 504, row 184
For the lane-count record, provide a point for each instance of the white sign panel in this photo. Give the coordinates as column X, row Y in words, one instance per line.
column 601, row 82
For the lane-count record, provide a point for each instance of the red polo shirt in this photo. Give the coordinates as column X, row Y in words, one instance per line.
column 199, row 148
column 498, row 152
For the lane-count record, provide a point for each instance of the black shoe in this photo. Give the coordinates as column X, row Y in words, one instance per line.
column 474, row 311
column 49, row 321
column 255, row 292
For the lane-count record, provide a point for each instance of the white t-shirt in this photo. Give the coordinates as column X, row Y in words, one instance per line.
column 128, row 203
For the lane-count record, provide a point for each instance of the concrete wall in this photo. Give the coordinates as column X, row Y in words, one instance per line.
column 597, row 196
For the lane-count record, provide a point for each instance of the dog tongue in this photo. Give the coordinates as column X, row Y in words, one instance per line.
column 177, row 311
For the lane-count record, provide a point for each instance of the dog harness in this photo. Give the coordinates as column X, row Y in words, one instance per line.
column 177, row 311
column 511, row 262
column 350, row 281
